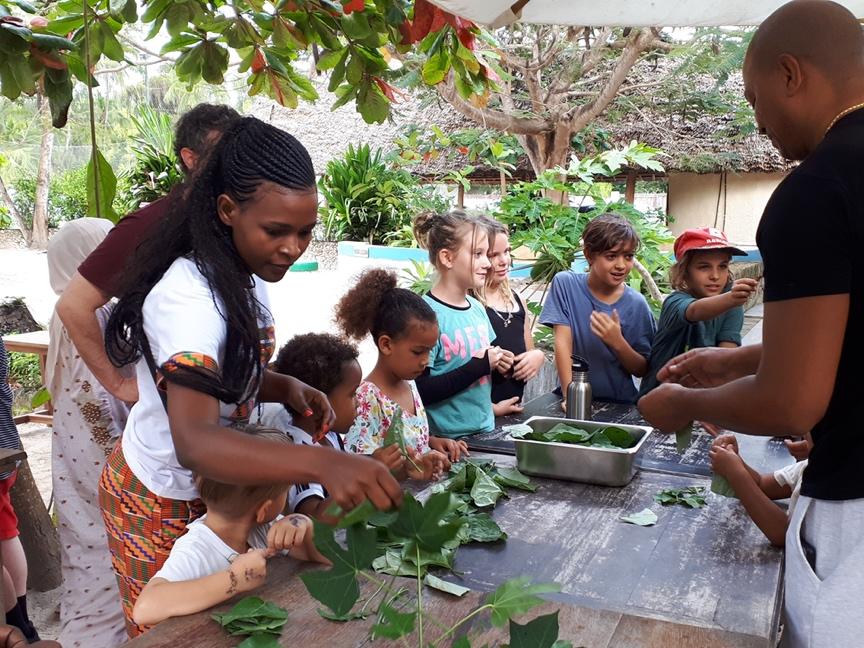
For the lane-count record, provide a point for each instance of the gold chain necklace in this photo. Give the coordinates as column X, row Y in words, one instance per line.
column 843, row 113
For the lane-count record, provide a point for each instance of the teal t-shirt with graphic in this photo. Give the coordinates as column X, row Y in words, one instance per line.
column 462, row 332
column 676, row 334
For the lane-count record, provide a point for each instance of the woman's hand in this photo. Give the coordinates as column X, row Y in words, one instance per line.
column 351, row 479
column 309, row 402
column 661, row 407
column 528, row 364
column 454, row 449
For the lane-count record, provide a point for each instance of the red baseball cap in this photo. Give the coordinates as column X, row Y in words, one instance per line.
column 704, row 238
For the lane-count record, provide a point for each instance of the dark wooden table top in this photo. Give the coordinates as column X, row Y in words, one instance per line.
column 584, row 626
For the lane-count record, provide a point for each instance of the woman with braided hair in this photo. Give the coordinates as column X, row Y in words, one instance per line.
column 194, row 318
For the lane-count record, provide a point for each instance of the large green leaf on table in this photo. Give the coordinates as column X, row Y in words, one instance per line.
column 337, row 587
column 485, row 492
column 395, row 624
column 101, row 187
column 260, row 641
column 445, row 586
column 513, row 478
column 481, row 528
column 516, row 596
column 423, row 524
column 541, row 632
column 393, row 563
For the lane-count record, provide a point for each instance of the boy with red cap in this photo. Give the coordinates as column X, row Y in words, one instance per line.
column 706, row 308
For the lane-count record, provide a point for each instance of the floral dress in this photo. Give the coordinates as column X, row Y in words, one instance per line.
column 375, row 412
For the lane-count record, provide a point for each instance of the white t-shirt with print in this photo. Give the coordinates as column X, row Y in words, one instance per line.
column 791, row 476
column 180, row 316
column 200, row 552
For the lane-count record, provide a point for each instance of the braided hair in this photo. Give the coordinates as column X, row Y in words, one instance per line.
column 377, row 306
column 437, row 232
column 249, row 153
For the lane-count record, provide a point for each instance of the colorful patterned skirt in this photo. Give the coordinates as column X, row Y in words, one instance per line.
column 141, row 527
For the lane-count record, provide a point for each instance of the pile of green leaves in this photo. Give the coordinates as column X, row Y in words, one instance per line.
column 608, row 437
column 261, row 620
column 721, row 486
column 473, row 485
column 692, row 496
column 424, row 533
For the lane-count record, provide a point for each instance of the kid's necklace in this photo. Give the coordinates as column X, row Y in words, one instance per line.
column 842, row 114
column 509, row 312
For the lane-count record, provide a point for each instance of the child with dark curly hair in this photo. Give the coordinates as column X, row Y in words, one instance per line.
column 405, row 330
column 329, row 364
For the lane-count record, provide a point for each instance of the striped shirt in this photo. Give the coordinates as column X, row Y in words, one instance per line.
column 9, row 438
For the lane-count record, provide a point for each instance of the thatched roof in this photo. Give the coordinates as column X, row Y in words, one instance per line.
column 689, row 144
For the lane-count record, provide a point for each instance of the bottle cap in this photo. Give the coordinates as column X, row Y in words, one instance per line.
column 579, row 363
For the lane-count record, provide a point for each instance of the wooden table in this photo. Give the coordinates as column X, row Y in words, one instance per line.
column 699, row 577
column 34, row 342
column 585, row 626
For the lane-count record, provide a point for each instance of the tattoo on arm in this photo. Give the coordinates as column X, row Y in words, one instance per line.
column 294, row 520
column 249, row 574
column 232, row 587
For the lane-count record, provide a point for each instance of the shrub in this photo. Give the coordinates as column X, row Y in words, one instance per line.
column 370, row 200
column 67, row 196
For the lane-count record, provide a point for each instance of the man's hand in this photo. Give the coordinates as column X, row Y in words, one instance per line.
column 706, row 367
column 661, row 407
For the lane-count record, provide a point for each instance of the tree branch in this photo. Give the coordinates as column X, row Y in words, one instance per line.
column 585, row 114
column 489, row 118
column 649, row 282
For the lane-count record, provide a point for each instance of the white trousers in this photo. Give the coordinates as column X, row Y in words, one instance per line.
column 823, row 606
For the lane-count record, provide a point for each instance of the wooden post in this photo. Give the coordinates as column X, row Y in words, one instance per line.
column 460, row 196
column 38, row 535
column 503, row 184
column 630, row 191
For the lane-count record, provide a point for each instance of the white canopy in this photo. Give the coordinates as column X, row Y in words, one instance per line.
column 627, row 13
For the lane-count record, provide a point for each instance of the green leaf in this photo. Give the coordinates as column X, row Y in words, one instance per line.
column 513, row 478
column 58, row 89
column 350, row 616
column 692, row 496
column 336, row 588
column 395, row 624
column 461, row 642
column 516, row 597
column 354, row 70
column 481, row 528
column 394, row 564
column 721, row 486
column 24, row 6
column 251, row 607
column 356, row 25
column 372, row 104
column 52, row 42
column 645, row 517
column 444, row 586
column 260, row 641
column 360, row 513
column 683, row 438
column 101, row 176
column 541, row 632
column 436, row 67
column 329, row 60
column 422, row 524
column 40, row 398
column 485, row 492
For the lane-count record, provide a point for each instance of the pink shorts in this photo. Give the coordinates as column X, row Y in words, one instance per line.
column 8, row 519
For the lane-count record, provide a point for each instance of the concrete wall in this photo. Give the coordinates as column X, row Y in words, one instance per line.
column 732, row 202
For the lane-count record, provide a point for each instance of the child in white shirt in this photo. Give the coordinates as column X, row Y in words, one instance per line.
column 225, row 552
column 757, row 491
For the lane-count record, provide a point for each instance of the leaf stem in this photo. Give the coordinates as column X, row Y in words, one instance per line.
column 419, row 602
column 456, row 625
column 93, row 154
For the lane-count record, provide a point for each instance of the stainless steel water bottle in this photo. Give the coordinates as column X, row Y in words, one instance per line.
column 579, row 397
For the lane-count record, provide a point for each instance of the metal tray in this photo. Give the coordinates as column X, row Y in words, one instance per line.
column 603, row 466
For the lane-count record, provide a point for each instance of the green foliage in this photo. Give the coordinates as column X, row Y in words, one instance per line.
column 24, row 370
column 608, row 437
column 67, row 196
column 261, row 620
column 419, row 277
column 101, row 187
column 692, row 496
column 479, row 146
column 408, row 541
column 553, row 231
column 368, row 199
column 155, row 169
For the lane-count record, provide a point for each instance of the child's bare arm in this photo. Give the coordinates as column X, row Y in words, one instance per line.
column 770, row 518
column 162, row 599
column 710, row 307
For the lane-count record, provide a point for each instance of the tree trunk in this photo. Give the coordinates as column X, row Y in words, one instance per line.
column 6, row 200
column 38, row 535
column 39, row 237
column 547, row 151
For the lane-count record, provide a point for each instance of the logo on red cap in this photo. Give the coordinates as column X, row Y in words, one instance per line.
column 704, row 238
